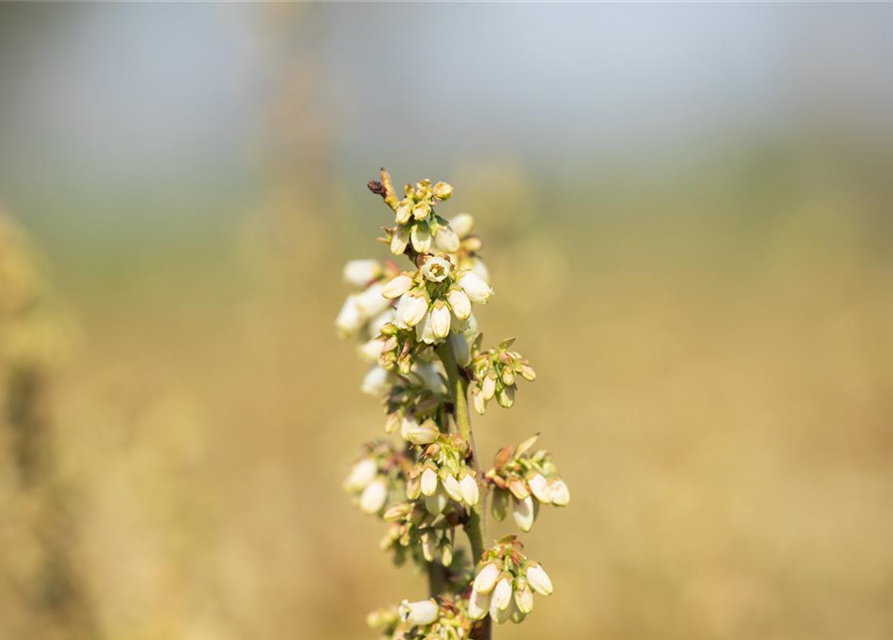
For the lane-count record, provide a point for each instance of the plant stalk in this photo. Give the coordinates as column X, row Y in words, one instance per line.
column 475, row 526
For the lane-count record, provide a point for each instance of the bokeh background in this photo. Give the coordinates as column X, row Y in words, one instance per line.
column 688, row 217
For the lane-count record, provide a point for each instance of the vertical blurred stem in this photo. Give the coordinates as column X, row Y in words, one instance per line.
column 475, row 525
column 436, row 578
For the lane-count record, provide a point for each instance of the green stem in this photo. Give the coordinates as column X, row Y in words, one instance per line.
column 436, row 578
column 475, row 526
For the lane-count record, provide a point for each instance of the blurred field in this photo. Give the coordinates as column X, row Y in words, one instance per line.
column 711, row 335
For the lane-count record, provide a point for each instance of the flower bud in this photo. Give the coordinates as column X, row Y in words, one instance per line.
column 403, row 212
column 419, row 613
column 377, row 323
column 459, row 303
column 446, row 240
column 443, row 190
column 399, row 240
column 412, row 310
column 499, row 616
column 506, row 397
column 508, row 376
column 539, row 579
column 515, row 614
column 413, row 487
column 524, row 599
column 374, row 496
column 359, row 273
column 518, row 488
column 350, row 319
column 361, row 474
column 480, row 402
column 502, row 594
column 488, row 387
column 561, row 495
column 486, row 578
column 416, row 433
column 474, row 286
column 424, row 330
column 437, row 503
column 393, row 421
column 528, row 373
column 397, row 512
column 500, row 504
column 462, row 224
column 523, row 513
column 451, row 486
column 429, row 481
column 446, row 555
column 421, row 210
column 478, row 605
column 371, row 302
column 539, row 487
column 396, row 287
column 440, row 320
column 429, row 546
column 469, row 488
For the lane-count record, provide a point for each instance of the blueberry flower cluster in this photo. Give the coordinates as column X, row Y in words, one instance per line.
column 496, row 372
column 442, row 474
column 436, row 298
column 416, row 330
column 417, row 225
column 504, row 584
column 522, row 482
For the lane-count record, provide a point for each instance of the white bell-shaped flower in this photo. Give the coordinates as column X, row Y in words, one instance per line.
column 420, row 237
column 429, row 481
column 361, row 474
column 470, row 491
column 478, row 605
column 539, row 487
column 459, row 303
column 440, row 320
column 359, row 273
column 416, row 433
column 371, row 301
column 451, row 486
column 424, row 330
column 523, row 513
column 376, row 381
column 462, row 224
column 399, row 241
column 419, row 613
column 539, row 579
column 396, row 287
column 486, row 578
column 350, row 319
column 446, row 240
column 411, row 309
column 475, row 287
column 561, row 495
column 374, row 496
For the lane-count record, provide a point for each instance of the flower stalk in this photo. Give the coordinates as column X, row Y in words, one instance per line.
column 418, row 332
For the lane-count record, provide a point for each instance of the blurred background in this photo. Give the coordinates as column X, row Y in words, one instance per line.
column 687, row 212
